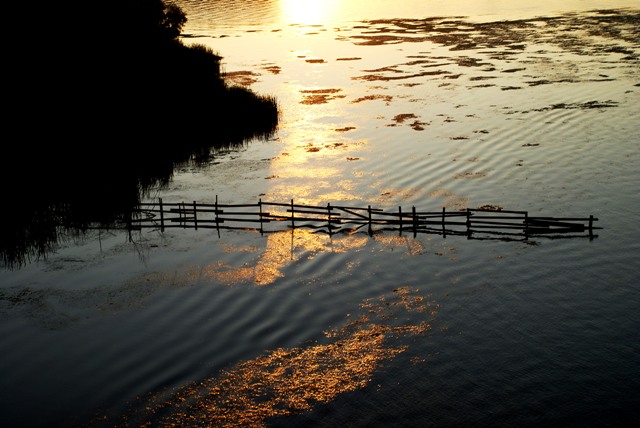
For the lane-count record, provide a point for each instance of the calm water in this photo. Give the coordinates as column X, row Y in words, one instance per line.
column 405, row 103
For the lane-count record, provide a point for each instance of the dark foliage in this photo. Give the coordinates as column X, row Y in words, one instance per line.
column 117, row 71
column 104, row 101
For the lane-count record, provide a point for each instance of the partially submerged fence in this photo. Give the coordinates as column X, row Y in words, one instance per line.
column 271, row 216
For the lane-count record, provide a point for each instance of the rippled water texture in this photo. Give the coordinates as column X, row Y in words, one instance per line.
column 389, row 104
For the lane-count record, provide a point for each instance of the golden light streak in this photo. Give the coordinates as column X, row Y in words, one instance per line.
column 308, row 12
column 287, row 381
column 282, row 249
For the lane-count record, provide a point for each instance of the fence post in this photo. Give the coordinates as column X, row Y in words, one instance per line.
column 292, row 216
column 329, row 217
column 591, row 226
column 526, row 224
column 195, row 215
column 217, row 219
column 161, row 216
column 415, row 221
column 468, row 223
column 370, row 228
column 400, row 217
column 129, row 225
column 444, row 230
column 260, row 207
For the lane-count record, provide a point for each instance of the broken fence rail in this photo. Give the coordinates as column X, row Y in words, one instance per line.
column 336, row 218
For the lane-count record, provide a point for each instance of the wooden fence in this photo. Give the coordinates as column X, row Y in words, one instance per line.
column 271, row 216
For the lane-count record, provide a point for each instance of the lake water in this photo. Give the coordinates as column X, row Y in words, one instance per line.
column 454, row 104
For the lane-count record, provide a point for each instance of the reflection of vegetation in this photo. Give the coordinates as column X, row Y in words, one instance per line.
column 107, row 102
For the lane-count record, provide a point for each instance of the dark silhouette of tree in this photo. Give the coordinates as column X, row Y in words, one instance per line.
column 104, row 101
column 116, row 70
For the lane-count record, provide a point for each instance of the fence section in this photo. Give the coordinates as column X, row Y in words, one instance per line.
column 271, row 216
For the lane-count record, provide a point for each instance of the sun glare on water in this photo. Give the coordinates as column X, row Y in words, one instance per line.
column 308, row 12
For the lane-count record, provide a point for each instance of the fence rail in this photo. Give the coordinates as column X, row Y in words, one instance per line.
column 270, row 216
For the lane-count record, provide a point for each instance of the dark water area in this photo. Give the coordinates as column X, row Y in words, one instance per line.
column 521, row 108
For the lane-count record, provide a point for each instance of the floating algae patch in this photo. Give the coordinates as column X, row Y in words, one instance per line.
column 273, row 69
column 242, row 78
column 519, row 49
column 385, row 98
column 401, row 118
column 585, row 105
column 319, row 96
column 470, row 175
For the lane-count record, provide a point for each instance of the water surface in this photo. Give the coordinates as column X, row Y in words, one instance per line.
column 406, row 104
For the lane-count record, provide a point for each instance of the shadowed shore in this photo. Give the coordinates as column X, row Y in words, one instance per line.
column 106, row 102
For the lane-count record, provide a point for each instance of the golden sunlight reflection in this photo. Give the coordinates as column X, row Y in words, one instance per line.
column 289, row 381
column 282, row 248
column 286, row 247
column 308, row 12
column 311, row 162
